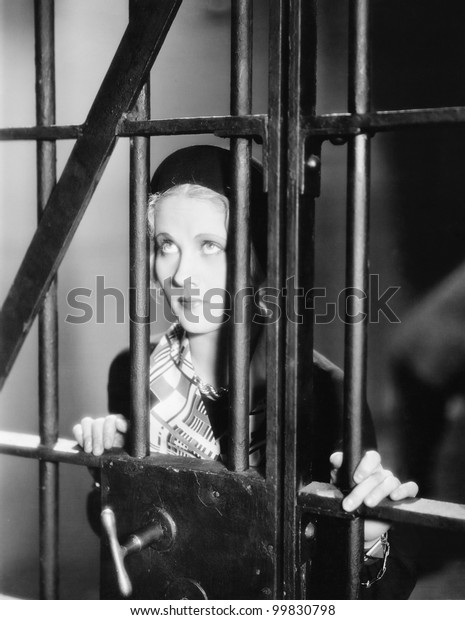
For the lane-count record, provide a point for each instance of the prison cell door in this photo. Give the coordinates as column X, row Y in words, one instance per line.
column 181, row 528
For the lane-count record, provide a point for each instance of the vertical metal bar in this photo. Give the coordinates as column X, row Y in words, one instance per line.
column 358, row 187
column 276, row 166
column 139, row 278
column 300, row 259
column 239, row 278
column 48, row 516
column 48, row 319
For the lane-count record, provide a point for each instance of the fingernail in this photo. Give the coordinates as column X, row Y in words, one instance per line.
column 358, row 478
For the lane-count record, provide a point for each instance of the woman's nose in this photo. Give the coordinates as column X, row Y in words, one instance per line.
column 182, row 276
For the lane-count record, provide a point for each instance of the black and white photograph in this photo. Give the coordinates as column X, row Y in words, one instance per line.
column 232, row 325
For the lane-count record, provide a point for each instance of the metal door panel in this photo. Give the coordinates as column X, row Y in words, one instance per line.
column 223, row 539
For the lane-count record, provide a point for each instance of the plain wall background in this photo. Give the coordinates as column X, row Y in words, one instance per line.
column 418, row 213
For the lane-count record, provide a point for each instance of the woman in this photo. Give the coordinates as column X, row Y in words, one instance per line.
column 189, row 212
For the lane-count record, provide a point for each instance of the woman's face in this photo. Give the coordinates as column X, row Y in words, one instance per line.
column 190, row 260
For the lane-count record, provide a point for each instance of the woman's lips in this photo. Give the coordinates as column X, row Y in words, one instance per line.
column 190, row 302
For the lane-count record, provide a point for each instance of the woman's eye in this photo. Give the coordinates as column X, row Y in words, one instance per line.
column 210, row 247
column 167, row 247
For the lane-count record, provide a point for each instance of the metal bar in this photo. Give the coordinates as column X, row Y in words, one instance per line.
column 139, row 295
column 325, row 125
column 294, row 149
column 328, row 125
column 57, row 132
column 290, row 560
column 299, row 276
column 239, row 269
column 48, row 318
column 48, row 519
column 325, row 500
column 29, row 446
column 356, row 276
column 121, row 86
column 275, row 162
column 139, row 278
column 316, row 498
column 253, row 125
column 67, row 451
column 46, row 179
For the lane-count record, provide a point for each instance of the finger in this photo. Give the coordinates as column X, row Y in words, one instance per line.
column 407, row 489
column 97, row 436
column 382, row 490
column 119, row 441
column 122, row 423
column 336, row 459
column 363, row 489
column 367, row 466
column 86, row 424
column 113, row 426
column 109, row 432
column 77, row 432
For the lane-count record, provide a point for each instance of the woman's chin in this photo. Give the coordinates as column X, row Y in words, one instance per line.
column 198, row 325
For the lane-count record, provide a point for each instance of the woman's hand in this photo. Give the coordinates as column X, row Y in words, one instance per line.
column 373, row 484
column 98, row 434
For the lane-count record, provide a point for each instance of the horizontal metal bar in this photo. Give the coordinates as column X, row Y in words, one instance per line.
column 317, row 498
column 67, row 451
column 237, row 126
column 255, row 125
column 53, row 132
column 325, row 499
column 28, row 446
column 353, row 124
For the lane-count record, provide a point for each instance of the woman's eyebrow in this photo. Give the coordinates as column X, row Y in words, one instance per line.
column 213, row 236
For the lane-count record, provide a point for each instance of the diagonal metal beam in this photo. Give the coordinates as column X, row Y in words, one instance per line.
column 120, row 88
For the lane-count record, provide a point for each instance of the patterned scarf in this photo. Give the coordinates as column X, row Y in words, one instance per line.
column 180, row 423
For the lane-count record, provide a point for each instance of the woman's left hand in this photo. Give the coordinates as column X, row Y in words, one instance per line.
column 373, row 484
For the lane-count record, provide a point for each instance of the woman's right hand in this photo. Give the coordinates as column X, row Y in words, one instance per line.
column 98, row 434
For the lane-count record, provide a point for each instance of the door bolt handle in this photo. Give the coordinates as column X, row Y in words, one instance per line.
column 159, row 534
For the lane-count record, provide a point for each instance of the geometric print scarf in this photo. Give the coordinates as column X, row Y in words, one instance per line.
column 180, row 423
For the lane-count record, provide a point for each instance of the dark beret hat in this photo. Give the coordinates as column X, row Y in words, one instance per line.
column 211, row 167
